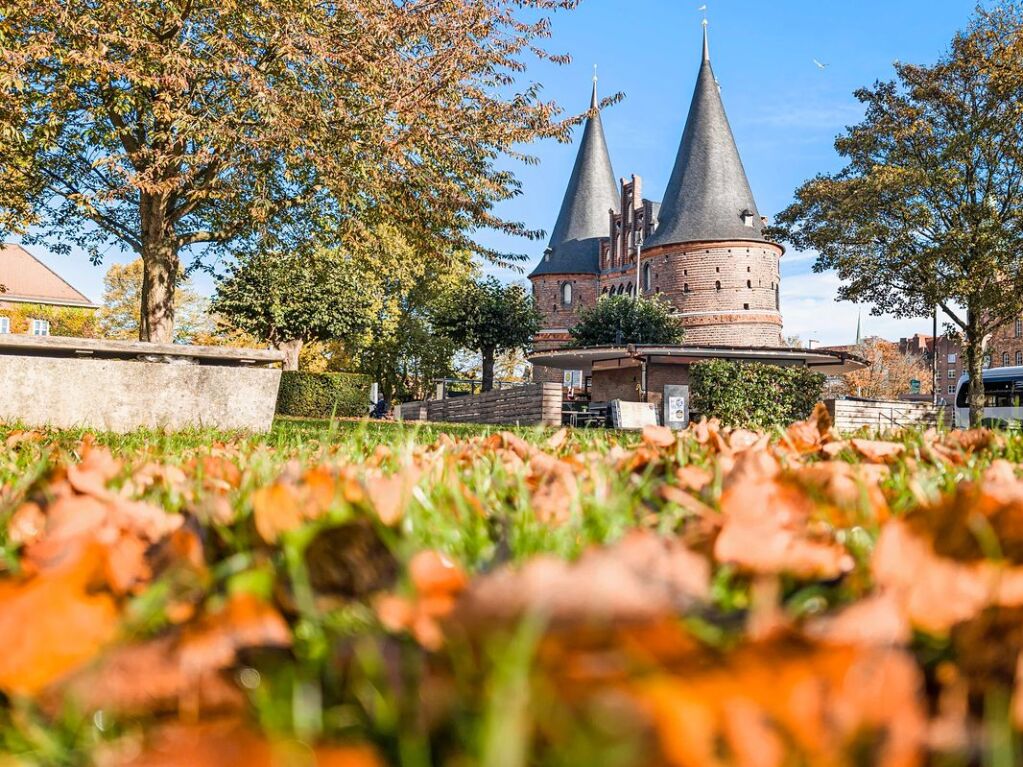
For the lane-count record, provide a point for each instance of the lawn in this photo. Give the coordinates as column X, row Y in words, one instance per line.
column 365, row 593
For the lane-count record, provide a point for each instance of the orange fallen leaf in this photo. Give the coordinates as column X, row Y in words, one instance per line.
column 231, row 743
column 877, row 450
column 658, row 436
column 275, row 510
column 54, row 622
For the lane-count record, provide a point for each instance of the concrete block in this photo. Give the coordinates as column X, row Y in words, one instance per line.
column 121, row 395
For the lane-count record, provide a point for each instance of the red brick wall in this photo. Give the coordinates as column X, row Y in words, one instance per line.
column 1006, row 345
column 623, row 383
column 557, row 317
column 741, row 312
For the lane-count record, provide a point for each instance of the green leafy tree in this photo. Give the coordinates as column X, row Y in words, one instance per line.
column 487, row 317
column 172, row 127
column 289, row 299
column 926, row 211
column 625, row 320
column 122, row 295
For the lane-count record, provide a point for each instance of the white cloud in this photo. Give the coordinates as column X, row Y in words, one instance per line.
column 810, row 311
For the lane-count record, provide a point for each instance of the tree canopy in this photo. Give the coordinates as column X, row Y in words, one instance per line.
column 625, row 320
column 926, row 211
column 291, row 298
column 172, row 127
column 487, row 317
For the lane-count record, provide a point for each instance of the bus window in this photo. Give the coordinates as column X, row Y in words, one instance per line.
column 998, row 394
column 961, row 397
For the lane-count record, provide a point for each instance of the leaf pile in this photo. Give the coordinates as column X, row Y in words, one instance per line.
column 713, row 597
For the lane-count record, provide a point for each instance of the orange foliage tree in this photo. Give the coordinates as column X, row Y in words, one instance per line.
column 889, row 373
column 169, row 127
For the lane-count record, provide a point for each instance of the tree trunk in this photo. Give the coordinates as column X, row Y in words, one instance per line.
column 488, row 369
column 291, row 351
column 975, row 368
column 159, row 277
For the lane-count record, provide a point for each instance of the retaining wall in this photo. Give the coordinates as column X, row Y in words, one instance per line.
column 538, row 403
column 882, row 415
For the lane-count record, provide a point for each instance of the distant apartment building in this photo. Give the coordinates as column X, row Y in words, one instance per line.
column 35, row 300
column 1004, row 349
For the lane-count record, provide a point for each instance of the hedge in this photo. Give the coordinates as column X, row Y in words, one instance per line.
column 321, row 395
column 752, row 394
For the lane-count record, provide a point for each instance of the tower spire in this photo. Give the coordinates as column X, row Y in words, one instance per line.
column 706, row 45
column 592, row 191
column 708, row 197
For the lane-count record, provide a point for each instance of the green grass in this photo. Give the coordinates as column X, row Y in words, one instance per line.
column 344, row 678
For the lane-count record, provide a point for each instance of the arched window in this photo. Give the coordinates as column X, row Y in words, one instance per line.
column 1019, row 327
column 646, row 277
column 566, row 294
column 749, row 283
column 685, row 288
column 621, row 289
column 1005, row 359
column 717, row 284
column 1019, row 358
column 629, row 289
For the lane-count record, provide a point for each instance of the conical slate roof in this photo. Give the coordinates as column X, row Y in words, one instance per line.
column 575, row 242
column 707, row 193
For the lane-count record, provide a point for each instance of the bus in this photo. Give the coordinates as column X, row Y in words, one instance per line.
column 1003, row 399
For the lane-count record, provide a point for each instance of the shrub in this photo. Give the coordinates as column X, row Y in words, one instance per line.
column 624, row 320
column 320, row 395
column 752, row 394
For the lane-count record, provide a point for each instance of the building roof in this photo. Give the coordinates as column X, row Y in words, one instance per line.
column 29, row 280
column 708, row 192
column 583, row 221
column 827, row 362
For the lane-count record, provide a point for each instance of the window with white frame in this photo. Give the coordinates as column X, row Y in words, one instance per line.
column 5, row 325
column 951, row 374
column 1019, row 358
column 566, row 294
column 951, row 388
column 951, row 359
column 1019, row 327
column 1005, row 359
column 40, row 327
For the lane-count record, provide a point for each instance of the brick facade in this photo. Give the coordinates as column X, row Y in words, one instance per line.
column 1006, row 345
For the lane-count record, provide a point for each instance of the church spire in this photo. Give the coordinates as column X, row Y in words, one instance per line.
column 708, row 196
column 575, row 241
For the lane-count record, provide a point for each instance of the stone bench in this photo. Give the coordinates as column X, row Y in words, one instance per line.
column 125, row 385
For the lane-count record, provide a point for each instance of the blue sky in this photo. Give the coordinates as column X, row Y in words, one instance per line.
column 784, row 111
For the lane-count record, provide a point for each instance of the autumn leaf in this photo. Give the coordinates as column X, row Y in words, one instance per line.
column 641, row 577
column 658, row 436
column 54, row 622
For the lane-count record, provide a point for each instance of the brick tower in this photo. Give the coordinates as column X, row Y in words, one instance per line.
column 707, row 253
column 568, row 276
column 702, row 248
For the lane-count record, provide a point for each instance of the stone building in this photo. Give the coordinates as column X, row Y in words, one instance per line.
column 702, row 248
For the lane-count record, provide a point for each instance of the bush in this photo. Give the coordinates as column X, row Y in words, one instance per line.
column 624, row 320
column 752, row 394
column 321, row 395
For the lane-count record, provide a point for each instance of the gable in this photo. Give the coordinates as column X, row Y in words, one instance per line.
column 28, row 279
